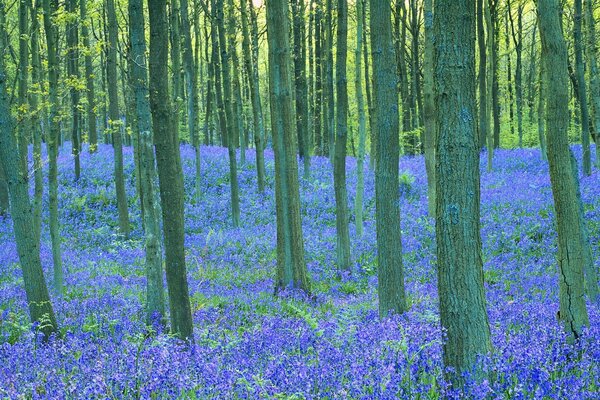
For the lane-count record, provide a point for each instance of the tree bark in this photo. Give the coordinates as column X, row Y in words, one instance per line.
column 392, row 297
column 429, row 108
column 24, row 120
column 563, row 176
column 591, row 53
column 581, row 88
column 460, row 273
column 291, row 266
column 39, row 118
column 170, row 173
column 362, row 122
column 89, row 78
column 73, row 76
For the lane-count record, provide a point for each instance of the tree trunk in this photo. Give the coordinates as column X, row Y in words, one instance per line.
column 567, row 202
column 4, row 203
column 253, row 81
column 49, row 8
column 175, row 41
column 291, row 266
column 170, row 174
column 341, row 137
column 328, row 98
column 236, row 96
column 28, row 248
column 300, row 84
column 368, row 85
column 460, row 273
column 429, row 108
column 392, row 298
column 319, row 74
column 581, row 88
column 488, row 105
column 73, row 76
column 232, row 128
column 38, row 116
column 517, row 36
column 509, row 72
column 495, row 61
column 362, row 122
column 155, row 298
column 542, row 110
column 114, row 117
column 24, row 120
column 481, row 42
column 89, row 78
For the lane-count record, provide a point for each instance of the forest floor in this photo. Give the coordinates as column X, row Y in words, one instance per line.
column 250, row 344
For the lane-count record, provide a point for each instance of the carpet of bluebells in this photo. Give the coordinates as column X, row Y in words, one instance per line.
column 250, row 344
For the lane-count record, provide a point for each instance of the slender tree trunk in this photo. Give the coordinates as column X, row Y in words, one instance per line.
column 541, row 111
column 328, row 98
column 24, row 120
column 175, row 41
column 531, row 76
column 236, row 95
column 291, row 266
column 392, row 298
column 170, row 173
column 73, row 76
column 115, row 120
column 4, row 203
column 591, row 54
column 563, row 176
column 341, row 138
column 429, row 108
column 491, row 67
column 38, row 115
column 89, row 78
column 232, row 128
column 319, row 73
column 481, row 42
column 509, row 70
column 253, row 82
column 362, row 121
column 155, row 298
column 517, row 36
column 581, row 88
column 300, row 84
column 49, row 8
column 219, row 101
column 460, row 273
column 28, row 248
column 209, row 83
column 368, row 85
column 495, row 61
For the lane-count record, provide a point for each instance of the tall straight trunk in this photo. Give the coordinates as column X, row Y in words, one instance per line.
column 114, row 117
column 463, row 312
column 28, row 248
column 104, row 109
column 416, row 95
column 563, row 175
column 232, row 128
column 429, row 108
column 191, row 84
column 329, row 97
column 368, row 85
column 594, row 73
column 581, row 88
column 341, row 138
column 209, row 83
column 509, row 71
column 517, row 36
column 4, row 202
column 291, row 266
column 89, row 79
column 489, row 103
column 402, row 68
column 541, row 111
column 362, row 121
column 170, row 174
column 300, row 84
column 319, row 75
column 49, row 8
column 481, row 42
column 236, row 94
column 311, row 76
column 175, row 41
column 392, row 297
column 24, row 125
column 531, row 76
column 37, row 118
column 495, row 62
column 155, row 298
column 73, row 76
column 219, row 100
column 253, row 82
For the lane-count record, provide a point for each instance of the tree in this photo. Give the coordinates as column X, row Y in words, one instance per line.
column 300, row 84
column 429, row 108
column 594, row 72
column 236, row 95
column 460, row 273
column 481, row 42
column 563, row 175
column 253, row 82
column 113, row 115
column 341, row 138
column 49, row 9
column 89, row 78
column 392, row 298
column 517, row 36
column 28, row 248
column 291, row 266
column 155, row 300
column 362, row 123
column 170, row 173
column 73, row 76
column 4, row 203
column 581, row 88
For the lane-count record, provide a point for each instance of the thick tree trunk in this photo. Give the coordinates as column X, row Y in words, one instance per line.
column 232, row 129
column 155, row 298
column 49, row 8
column 341, row 138
column 253, row 82
column 113, row 115
column 429, row 108
column 170, row 173
column 362, row 122
column 392, row 298
column 581, row 88
column 460, row 273
column 572, row 245
column 291, row 266
column 28, row 248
